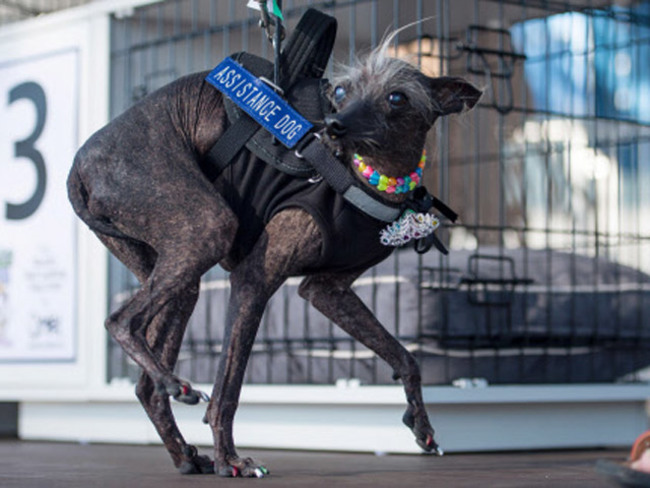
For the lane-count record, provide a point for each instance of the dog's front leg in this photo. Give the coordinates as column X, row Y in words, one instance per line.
column 248, row 297
column 291, row 241
column 332, row 295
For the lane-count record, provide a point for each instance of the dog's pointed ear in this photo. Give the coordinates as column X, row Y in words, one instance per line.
column 453, row 94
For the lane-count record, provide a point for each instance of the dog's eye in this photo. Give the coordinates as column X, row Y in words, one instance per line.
column 397, row 100
column 339, row 94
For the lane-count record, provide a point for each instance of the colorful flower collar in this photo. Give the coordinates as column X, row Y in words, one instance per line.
column 387, row 183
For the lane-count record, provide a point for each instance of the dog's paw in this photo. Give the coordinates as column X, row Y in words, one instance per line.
column 198, row 465
column 429, row 445
column 246, row 468
column 190, row 396
column 194, row 463
column 423, row 432
column 182, row 391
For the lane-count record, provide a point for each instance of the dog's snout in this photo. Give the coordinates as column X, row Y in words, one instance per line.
column 335, row 127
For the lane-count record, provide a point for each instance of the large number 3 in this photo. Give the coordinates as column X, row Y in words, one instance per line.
column 25, row 149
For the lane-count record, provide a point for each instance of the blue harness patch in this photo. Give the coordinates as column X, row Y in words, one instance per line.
column 259, row 101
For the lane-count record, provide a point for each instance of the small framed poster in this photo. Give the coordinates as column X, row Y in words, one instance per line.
column 38, row 138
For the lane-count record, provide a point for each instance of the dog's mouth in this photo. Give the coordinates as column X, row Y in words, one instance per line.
column 399, row 160
column 344, row 146
column 341, row 147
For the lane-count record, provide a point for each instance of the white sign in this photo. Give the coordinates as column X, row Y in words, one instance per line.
column 38, row 139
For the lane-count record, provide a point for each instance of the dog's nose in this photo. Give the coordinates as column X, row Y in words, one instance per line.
column 334, row 127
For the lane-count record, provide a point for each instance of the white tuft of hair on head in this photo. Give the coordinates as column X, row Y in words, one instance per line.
column 378, row 74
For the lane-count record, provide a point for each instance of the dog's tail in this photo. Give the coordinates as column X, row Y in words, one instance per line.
column 78, row 196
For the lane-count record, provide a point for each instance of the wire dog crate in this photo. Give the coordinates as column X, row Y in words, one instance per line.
column 548, row 276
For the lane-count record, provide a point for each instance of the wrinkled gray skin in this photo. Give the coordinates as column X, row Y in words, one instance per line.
column 138, row 185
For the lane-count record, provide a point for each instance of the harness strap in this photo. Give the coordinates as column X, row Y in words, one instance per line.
column 422, row 201
column 341, row 181
column 364, row 202
column 422, row 246
column 223, row 152
column 306, row 54
column 309, row 47
column 444, row 209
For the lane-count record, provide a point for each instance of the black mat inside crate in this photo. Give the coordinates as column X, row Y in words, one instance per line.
column 508, row 316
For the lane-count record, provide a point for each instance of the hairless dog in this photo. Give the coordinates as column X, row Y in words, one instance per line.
column 137, row 183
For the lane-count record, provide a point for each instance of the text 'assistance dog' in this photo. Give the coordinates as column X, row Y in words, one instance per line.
column 187, row 179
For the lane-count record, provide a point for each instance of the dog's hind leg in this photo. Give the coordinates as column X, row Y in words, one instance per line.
column 186, row 239
column 170, row 281
column 164, row 337
column 291, row 241
column 332, row 295
column 171, row 208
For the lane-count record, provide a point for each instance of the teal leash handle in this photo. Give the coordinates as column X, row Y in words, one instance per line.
column 277, row 46
column 278, row 36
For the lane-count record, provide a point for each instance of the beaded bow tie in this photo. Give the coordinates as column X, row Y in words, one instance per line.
column 409, row 226
column 388, row 183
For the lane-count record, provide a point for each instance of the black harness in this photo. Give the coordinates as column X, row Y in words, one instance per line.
column 301, row 67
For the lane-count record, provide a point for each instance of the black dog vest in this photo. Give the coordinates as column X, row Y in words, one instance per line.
column 256, row 191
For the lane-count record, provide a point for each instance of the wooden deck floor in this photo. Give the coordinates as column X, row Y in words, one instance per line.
column 53, row 465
